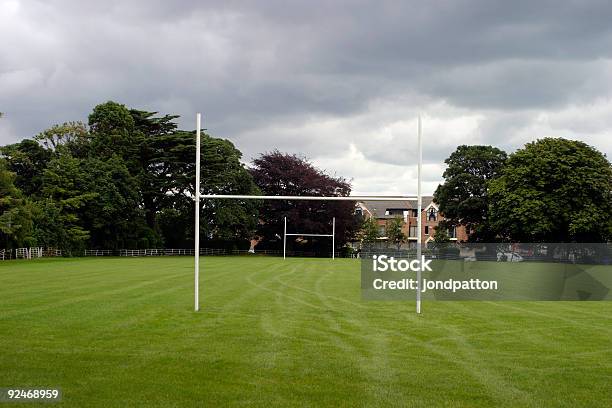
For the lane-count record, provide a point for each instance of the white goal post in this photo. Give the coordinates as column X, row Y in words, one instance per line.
column 199, row 196
column 332, row 235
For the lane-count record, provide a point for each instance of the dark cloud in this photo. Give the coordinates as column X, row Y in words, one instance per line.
column 316, row 77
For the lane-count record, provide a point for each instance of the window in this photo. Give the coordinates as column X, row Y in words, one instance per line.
column 412, row 232
column 427, row 230
column 452, row 232
column 381, row 230
column 394, row 211
column 432, row 214
column 413, row 213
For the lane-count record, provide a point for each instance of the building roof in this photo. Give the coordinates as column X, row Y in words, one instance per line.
column 379, row 208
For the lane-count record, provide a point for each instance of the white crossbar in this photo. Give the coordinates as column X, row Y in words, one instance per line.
column 312, row 235
column 313, row 198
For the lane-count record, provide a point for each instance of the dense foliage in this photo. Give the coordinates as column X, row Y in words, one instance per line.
column 463, row 197
column 15, row 212
column 277, row 173
column 124, row 180
column 553, row 190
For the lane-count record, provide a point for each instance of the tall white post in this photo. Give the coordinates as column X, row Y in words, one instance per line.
column 334, row 238
column 197, row 216
column 285, row 240
column 419, row 205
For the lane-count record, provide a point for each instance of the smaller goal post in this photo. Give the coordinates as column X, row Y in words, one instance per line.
column 332, row 235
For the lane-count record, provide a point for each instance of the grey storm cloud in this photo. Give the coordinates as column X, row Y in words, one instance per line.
column 340, row 82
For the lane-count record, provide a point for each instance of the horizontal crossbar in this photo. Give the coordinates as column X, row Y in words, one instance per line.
column 313, row 198
column 312, row 235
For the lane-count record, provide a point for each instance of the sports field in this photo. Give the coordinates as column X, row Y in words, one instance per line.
column 121, row 332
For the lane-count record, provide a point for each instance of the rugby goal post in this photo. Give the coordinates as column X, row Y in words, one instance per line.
column 332, row 235
column 199, row 196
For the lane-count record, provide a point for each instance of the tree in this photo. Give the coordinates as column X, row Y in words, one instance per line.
column 279, row 173
column 15, row 213
column 115, row 218
column 153, row 152
column 463, row 197
column 553, row 190
column 369, row 230
column 395, row 233
column 124, row 179
column 161, row 159
column 64, row 194
column 223, row 173
column 164, row 156
column 111, row 118
column 28, row 161
column 441, row 233
column 69, row 133
column 113, row 132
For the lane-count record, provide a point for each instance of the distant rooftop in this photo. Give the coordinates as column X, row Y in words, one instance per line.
column 379, row 208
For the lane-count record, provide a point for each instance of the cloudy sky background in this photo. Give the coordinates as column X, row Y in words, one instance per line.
column 341, row 82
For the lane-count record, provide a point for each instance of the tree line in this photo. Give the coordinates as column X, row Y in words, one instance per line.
column 126, row 180
column 551, row 190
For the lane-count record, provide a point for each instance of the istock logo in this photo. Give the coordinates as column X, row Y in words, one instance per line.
column 384, row 263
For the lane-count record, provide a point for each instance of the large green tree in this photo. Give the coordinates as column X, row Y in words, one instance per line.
column 115, row 218
column 147, row 146
column 15, row 213
column 164, row 155
column 161, row 159
column 553, row 190
column 28, row 161
column 113, row 133
column 126, row 179
column 222, row 173
column 63, row 195
column 463, row 197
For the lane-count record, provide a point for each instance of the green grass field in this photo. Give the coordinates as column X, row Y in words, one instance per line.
column 121, row 332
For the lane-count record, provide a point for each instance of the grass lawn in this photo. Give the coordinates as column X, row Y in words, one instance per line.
column 121, row 332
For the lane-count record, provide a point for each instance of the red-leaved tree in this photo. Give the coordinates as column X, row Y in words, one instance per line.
column 277, row 173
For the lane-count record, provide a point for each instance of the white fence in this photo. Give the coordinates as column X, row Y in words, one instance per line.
column 29, row 253
column 99, row 252
column 168, row 252
column 32, row 253
column 175, row 252
column 180, row 252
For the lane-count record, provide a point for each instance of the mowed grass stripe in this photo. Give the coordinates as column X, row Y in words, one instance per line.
column 122, row 332
column 76, row 282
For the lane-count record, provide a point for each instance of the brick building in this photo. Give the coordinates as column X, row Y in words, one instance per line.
column 384, row 211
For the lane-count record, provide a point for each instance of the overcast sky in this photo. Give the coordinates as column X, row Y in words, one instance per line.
column 341, row 82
